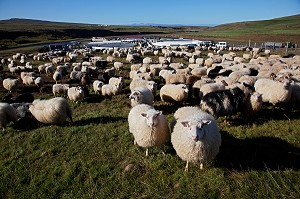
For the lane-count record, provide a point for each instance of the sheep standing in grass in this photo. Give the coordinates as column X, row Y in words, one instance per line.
column 52, row 111
column 223, row 103
column 110, row 90
column 195, row 137
column 39, row 82
column 76, row 94
column 7, row 114
column 28, row 80
column 10, row 84
column 151, row 85
column 97, row 86
column 252, row 105
column 141, row 95
column 148, row 126
column 274, row 92
column 60, row 89
column 57, row 76
column 174, row 93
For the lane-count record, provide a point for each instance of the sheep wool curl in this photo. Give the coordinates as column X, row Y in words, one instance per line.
column 273, row 91
column 195, row 136
column 7, row 114
column 10, row 84
column 174, row 93
column 52, row 111
column 148, row 126
column 76, row 93
column 141, row 95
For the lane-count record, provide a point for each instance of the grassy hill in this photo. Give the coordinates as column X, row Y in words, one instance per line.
column 279, row 29
column 16, row 32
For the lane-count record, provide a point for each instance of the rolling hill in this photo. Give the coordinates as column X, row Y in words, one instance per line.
column 16, row 32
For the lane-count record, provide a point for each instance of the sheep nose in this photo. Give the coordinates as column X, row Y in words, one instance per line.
column 195, row 138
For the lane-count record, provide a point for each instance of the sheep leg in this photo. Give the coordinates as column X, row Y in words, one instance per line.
column 186, row 166
column 201, row 166
column 147, row 152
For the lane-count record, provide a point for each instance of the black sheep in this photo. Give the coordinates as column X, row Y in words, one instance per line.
column 223, row 103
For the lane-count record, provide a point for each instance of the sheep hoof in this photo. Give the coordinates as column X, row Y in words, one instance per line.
column 186, row 167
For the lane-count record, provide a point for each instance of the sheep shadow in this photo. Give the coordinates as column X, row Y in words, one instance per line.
column 26, row 124
column 97, row 120
column 267, row 114
column 257, row 154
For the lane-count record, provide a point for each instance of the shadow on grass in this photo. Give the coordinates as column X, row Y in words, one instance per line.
column 266, row 114
column 26, row 124
column 257, row 154
column 97, row 120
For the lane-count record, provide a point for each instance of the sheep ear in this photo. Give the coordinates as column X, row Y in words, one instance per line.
column 206, row 122
column 144, row 114
column 185, row 124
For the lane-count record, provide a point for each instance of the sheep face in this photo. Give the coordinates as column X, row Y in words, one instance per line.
column 151, row 117
column 286, row 84
column 79, row 90
column 257, row 97
column 185, row 89
column 195, row 128
column 136, row 96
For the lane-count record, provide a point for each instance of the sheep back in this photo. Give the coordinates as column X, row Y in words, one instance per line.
column 7, row 114
column 52, row 111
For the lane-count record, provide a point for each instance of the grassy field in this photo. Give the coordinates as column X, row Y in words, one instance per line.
column 95, row 156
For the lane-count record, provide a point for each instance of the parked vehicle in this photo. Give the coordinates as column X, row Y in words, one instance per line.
column 222, row 44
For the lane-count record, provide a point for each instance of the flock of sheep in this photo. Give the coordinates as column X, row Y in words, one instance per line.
column 219, row 84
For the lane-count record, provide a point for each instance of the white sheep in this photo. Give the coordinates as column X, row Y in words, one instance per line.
column 148, row 126
column 174, row 93
column 116, row 80
column 52, row 111
column 141, row 95
column 60, row 89
column 97, row 86
column 7, row 114
column 151, row 85
column 76, row 94
column 118, row 65
column 110, row 90
column 11, row 84
column 273, row 91
column 28, row 80
column 110, row 59
column 175, row 79
column 195, row 136
column 57, row 76
column 147, row 60
column 211, row 87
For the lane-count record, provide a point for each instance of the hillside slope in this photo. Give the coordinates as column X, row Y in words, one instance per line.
column 16, row 32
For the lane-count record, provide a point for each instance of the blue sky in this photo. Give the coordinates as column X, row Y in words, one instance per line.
column 125, row 12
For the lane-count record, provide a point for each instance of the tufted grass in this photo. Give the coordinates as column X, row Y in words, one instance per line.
column 95, row 157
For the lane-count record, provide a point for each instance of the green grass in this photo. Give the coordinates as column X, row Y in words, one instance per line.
column 90, row 158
